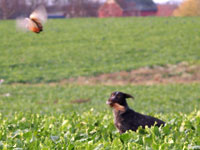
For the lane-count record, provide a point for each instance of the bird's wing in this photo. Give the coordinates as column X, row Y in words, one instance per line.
column 22, row 24
column 39, row 14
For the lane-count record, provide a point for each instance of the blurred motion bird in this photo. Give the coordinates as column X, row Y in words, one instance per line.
column 35, row 21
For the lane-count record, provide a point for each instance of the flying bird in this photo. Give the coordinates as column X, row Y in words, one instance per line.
column 126, row 118
column 35, row 21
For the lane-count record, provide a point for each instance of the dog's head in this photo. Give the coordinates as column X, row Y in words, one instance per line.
column 118, row 99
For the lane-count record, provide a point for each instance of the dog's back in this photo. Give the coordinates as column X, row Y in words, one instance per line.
column 131, row 120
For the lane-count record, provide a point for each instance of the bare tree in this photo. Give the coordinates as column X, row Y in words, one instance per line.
column 72, row 8
column 82, row 8
column 8, row 8
column 12, row 8
column 32, row 4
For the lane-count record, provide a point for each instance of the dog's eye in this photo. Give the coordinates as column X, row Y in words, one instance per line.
column 118, row 96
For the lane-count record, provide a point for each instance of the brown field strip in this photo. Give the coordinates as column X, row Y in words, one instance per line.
column 182, row 73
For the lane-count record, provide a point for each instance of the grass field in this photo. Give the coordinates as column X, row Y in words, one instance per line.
column 55, row 100
column 42, row 116
column 73, row 47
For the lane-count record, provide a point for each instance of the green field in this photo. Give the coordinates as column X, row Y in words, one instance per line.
column 55, row 100
column 74, row 47
column 41, row 116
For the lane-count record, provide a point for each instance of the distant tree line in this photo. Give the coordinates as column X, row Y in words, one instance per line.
column 10, row 9
column 82, row 8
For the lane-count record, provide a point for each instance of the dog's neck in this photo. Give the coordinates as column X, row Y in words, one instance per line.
column 120, row 108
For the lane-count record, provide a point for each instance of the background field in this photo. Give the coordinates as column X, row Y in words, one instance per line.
column 74, row 47
column 43, row 116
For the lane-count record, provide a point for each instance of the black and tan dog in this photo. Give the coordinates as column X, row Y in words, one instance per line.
column 126, row 118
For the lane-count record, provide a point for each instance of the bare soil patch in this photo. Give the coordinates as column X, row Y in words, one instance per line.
column 179, row 73
column 168, row 74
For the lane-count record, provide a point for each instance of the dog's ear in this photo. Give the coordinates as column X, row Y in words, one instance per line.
column 128, row 95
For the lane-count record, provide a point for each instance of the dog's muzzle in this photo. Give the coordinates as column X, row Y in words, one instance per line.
column 109, row 102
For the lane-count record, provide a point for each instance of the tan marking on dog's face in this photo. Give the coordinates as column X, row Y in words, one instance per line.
column 118, row 107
